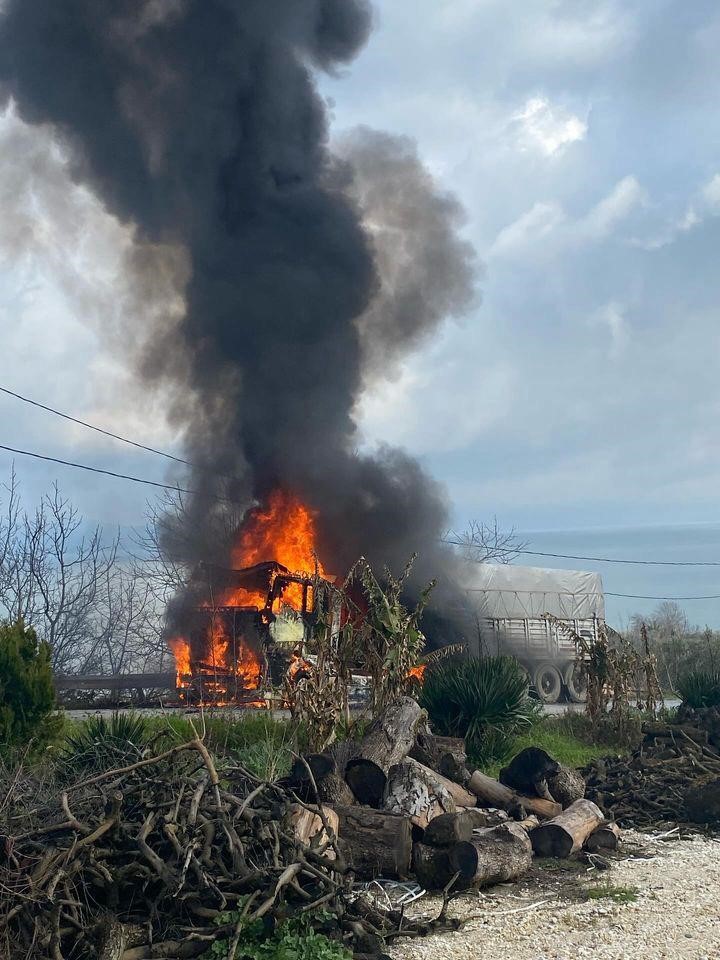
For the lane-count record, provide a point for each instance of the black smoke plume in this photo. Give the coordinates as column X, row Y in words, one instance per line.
column 311, row 271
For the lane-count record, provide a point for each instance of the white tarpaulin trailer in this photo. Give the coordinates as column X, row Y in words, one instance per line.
column 509, row 603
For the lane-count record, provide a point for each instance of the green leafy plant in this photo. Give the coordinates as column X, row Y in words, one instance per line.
column 101, row 743
column 293, row 939
column 27, row 695
column 609, row 891
column 700, row 688
column 482, row 699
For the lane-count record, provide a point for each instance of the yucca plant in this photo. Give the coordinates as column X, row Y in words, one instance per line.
column 485, row 700
column 102, row 743
column 700, row 688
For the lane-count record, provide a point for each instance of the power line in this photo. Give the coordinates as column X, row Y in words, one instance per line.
column 91, row 426
column 637, row 596
column 570, row 556
column 107, row 473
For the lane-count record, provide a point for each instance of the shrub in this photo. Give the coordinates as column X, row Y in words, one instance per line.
column 296, row 938
column 101, row 743
column 485, row 700
column 27, row 695
column 700, row 688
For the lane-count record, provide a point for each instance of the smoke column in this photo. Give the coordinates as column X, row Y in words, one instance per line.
column 310, row 272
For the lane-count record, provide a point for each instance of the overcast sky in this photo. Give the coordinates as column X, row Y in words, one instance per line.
column 581, row 137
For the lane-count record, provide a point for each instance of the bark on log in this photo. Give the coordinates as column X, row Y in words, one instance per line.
column 416, row 792
column 529, row 823
column 387, row 742
column 566, row 786
column 432, row 867
column 493, row 856
column 449, row 829
column 566, row 833
column 603, row 838
column 496, row 794
column 114, row 939
column 445, row 755
column 377, row 844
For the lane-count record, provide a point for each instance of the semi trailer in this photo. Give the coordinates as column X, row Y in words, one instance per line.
column 509, row 604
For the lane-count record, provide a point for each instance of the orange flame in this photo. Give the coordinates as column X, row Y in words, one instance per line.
column 417, row 672
column 283, row 530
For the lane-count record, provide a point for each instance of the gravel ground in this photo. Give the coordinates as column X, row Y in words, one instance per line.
column 676, row 913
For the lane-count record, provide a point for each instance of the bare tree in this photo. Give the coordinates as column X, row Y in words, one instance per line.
column 98, row 611
column 488, row 543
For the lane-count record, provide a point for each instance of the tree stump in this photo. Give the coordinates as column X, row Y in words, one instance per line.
column 494, row 855
column 495, row 794
column 375, row 843
column 388, row 740
column 566, row 833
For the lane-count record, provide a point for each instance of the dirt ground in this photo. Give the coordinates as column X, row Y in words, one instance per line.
column 658, row 899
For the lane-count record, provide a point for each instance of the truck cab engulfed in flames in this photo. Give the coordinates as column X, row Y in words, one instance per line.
column 252, row 635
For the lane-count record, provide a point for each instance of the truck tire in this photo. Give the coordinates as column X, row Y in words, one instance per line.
column 576, row 683
column 548, row 682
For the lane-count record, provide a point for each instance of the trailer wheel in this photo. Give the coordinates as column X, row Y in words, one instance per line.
column 548, row 682
column 576, row 683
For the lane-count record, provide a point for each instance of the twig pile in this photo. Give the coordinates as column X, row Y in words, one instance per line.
column 163, row 857
column 657, row 783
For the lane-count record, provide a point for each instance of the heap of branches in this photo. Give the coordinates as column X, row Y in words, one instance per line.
column 162, row 858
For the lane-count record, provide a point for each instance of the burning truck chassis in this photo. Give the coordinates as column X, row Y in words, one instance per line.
column 252, row 641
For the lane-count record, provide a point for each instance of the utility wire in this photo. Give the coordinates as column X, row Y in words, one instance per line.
column 570, row 556
column 91, row 426
column 637, row 596
column 107, row 473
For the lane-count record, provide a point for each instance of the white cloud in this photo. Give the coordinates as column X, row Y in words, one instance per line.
column 546, row 127
column 624, row 197
column 612, row 317
column 546, row 229
column 711, row 195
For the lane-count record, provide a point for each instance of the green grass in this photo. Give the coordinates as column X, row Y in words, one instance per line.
column 570, row 739
column 254, row 740
column 609, row 891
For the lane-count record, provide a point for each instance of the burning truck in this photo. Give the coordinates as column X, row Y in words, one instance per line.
column 250, row 625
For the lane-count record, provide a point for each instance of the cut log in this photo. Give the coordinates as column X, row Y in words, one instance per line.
column 529, row 823
column 307, row 827
column 331, row 788
column 449, row 829
column 432, row 867
column 566, row 786
column 445, row 755
column 486, row 818
column 566, row 833
column 603, row 838
column 376, row 843
column 496, row 794
column 493, row 856
column 388, row 741
column 416, row 792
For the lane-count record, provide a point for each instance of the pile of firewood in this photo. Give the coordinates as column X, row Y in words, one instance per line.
column 167, row 856
column 673, row 776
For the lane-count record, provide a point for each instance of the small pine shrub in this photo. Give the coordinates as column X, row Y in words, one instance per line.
column 27, row 694
column 700, row 688
column 485, row 700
